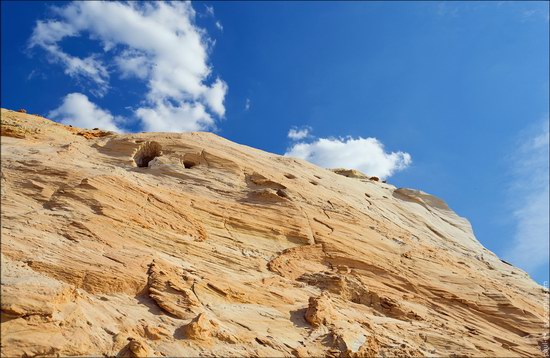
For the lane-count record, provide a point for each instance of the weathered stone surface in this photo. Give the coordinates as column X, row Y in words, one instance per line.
column 200, row 328
column 173, row 244
column 320, row 310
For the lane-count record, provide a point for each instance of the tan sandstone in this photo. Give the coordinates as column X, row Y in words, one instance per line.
column 186, row 244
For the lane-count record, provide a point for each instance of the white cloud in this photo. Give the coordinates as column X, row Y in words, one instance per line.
column 364, row 154
column 529, row 194
column 209, row 10
column 78, row 111
column 165, row 117
column 219, row 25
column 50, row 32
column 47, row 34
column 156, row 42
column 215, row 97
column 298, row 133
column 247, row 104
column 133, row 64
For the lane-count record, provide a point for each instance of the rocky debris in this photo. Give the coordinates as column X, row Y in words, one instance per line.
column 200, row 328
column 259, row 180
column 92, row 135
column 350, row 173
column 156, row 333
column 172, row 289
column 22, row 110
column 136, row 348
column 319, row 311
column 370, row 348
column 12, row 132
column 203, row 328
column 250, row 253
column 352, row 340
column 269, row 195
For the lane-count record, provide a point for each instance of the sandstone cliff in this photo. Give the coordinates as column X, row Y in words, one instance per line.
column 170, row 244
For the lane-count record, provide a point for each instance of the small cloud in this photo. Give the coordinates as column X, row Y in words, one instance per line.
column 296, row 133
column 247, row 104
column 78, row 111
column 219, row 26
column 36, row 74
column 529, row 194
column 364, row 154
column 215, row 96
column 209, row 10
column 31, row 75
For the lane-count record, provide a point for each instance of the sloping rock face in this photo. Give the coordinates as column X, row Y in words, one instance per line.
column 167, row 244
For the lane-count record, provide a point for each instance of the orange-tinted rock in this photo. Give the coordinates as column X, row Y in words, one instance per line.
column 219, row 249
column 200, row 328
column 319, row 310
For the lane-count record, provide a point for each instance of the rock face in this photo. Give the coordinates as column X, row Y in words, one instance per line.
column 168, row 244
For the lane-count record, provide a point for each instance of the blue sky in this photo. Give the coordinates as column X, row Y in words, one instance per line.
column 448, row 97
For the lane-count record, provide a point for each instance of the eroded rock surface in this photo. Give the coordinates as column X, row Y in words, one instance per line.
column 170, row 244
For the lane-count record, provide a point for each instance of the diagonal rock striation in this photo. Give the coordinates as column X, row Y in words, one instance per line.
column 186, row 244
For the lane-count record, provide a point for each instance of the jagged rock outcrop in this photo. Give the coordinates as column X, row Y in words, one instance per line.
column 350, row 173
column 171, row 244
column 320, row 310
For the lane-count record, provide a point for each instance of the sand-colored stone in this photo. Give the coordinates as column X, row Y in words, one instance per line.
column 201, row 328
column 218, row 249
column 319, row 310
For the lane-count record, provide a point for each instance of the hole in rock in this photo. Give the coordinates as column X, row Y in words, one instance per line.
column 147, row 152
column 188, row 164
column 190, row 160
column 283, row 194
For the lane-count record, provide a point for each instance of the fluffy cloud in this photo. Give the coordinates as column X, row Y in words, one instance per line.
column 215, row 97
column 298, row 133
column 156, row 42
column 133, row 64
column 47, row 35
column 165, row 118
column 364, row 154
column 77, row 110
column 529, row 194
